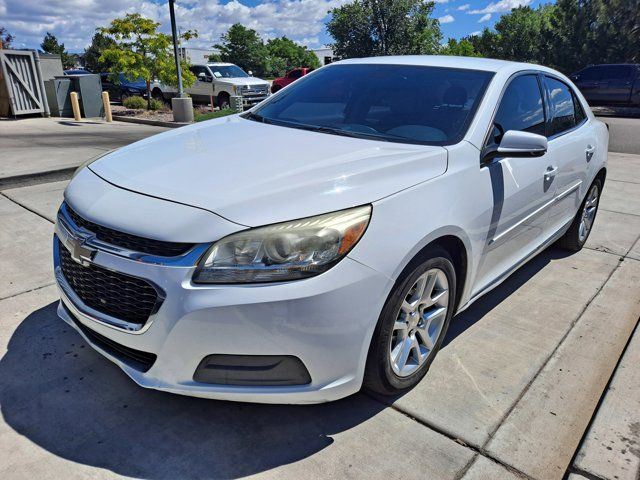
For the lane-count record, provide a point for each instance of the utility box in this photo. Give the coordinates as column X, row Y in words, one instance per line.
column 89, row 90
column 58, row 90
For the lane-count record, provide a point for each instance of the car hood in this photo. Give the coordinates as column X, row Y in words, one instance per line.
column 255, row 174
column 243, row 81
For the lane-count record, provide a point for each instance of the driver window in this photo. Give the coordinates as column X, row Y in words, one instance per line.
column 521, row 108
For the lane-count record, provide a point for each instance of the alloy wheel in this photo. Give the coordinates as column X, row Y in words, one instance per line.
column 419, row 321
column 588, row 213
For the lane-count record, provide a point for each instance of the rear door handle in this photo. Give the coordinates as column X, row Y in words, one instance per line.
column 589, row 152
column 550, row 172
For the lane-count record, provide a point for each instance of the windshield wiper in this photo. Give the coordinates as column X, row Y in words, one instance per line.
column 256, row 117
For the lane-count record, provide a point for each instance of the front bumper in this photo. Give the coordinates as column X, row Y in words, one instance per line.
column 326, row 321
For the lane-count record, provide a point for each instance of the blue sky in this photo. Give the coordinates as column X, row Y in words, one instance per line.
column 75, row 21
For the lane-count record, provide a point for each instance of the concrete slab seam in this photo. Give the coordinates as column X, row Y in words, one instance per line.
column 571, row 468
column 25, row 207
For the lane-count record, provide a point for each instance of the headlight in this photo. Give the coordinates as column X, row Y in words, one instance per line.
column 90, row 161
column 284, row 251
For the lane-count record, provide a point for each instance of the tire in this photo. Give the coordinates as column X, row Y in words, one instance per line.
column 158, row 95
column 578, row 233
column 123, row 97
column 223, row 101
column 385, row 371
column 275, row 88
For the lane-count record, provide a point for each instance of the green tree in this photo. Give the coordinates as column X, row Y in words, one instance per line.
column 99, row 43
column 285, row 54
column 50, row 45
column 568, row 35
column 521, row 35
column 384, row 27
column 140, row 51
column 595, row 31
column 244, row 47
column 461, row 48
column 5, row 39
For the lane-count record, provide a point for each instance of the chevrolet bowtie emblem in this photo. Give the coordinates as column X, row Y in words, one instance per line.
column 79, row 251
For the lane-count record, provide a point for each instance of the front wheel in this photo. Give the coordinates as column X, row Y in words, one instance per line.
column 412, row 324
column 223, row 101
column 578, row 233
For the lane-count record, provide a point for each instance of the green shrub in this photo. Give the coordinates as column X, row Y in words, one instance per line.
column 156, row 104
column 135, row 102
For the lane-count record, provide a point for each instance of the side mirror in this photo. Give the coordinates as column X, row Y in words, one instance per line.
column 518, row 144
column 250, row 73
column 202, row 77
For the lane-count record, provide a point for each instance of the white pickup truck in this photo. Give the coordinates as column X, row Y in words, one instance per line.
column 220, row 80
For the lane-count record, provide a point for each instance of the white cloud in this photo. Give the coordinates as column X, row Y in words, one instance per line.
column 485, row 18
column 74, row 21
column 464, row 7
column 446, row 19
column 476, row 33
column 441, row 1
column 502, row 6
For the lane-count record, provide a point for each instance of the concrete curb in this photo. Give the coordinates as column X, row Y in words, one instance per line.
column 16, row 181
column 143, row 121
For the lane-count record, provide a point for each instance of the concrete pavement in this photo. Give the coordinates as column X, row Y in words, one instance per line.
column 45, row 146
column 514, row 393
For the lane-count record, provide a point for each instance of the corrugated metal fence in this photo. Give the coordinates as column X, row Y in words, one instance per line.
column 21, row 87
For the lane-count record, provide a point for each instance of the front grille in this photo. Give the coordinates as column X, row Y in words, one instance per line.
column 121, row 296
column 141, row 361
column 256, row 90
column 128, row 241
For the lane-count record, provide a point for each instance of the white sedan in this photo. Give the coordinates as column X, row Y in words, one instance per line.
column 323, row 241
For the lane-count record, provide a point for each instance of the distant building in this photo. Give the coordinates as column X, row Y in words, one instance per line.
column 196, row 55
column 325, row 55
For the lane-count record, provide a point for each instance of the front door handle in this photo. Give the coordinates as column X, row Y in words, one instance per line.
column 589, row 152
column 550, row 173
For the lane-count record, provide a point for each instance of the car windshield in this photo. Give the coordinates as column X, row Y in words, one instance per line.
column 397, row 103
column 227, row 71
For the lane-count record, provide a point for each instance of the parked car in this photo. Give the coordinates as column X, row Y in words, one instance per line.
column 617, row 84
column 324, row 240
column 290, row 77
column 220, row 80
column 77, row 71
column 122, row 89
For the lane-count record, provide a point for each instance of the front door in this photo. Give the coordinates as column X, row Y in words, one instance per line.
column 202, row 89
column 522, row 187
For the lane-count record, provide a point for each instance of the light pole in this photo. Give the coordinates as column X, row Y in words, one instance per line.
column 172, row 14
column 182, row 106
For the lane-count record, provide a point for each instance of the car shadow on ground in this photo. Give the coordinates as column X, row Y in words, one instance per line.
column 66, row 398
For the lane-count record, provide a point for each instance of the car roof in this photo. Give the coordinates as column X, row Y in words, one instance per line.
column 469, row 63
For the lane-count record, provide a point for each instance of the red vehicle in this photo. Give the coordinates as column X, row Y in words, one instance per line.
column 290, row 77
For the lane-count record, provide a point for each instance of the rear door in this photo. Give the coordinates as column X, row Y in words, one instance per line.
column 522, row 193
column 617, row 81
column 572, row 144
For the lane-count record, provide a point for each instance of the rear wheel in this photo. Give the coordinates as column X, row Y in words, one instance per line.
column 412, row 324
column 578, row 233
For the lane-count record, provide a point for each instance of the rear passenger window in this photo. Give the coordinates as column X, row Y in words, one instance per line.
column 521, row 108
column 563, row 112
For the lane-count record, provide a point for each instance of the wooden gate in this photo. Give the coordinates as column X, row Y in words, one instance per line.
column 20, row 82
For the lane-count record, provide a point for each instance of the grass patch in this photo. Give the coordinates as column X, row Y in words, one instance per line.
column 201, row 117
